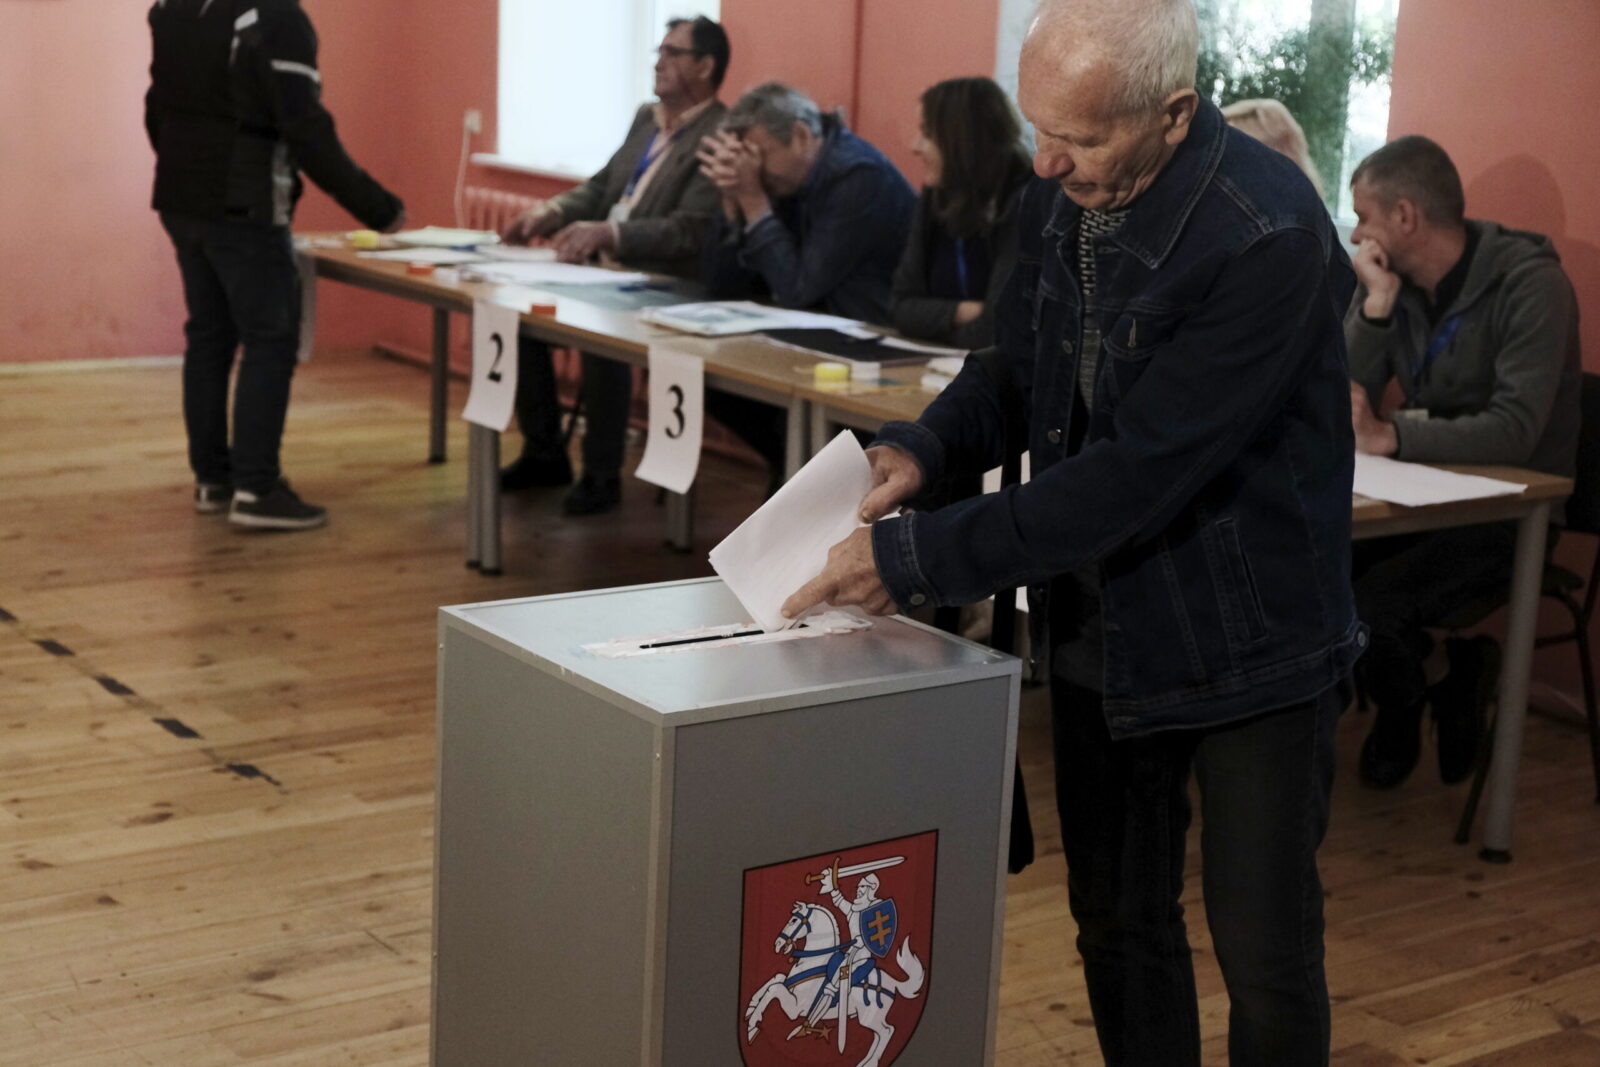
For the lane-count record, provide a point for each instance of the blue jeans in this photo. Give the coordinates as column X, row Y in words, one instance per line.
column 241, row 288
column 1265, row 784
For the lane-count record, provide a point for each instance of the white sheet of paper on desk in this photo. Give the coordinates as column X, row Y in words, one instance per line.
column 785, row 543
column 1415, row 485
column 519, row 253
column 556, row 273
column 446, row 237
column 722, row 318
column 439, row 257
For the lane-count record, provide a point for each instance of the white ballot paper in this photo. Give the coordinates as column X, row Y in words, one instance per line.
column 785, row 543
column 494, row 365
column 677, row 419
column 1414, row 485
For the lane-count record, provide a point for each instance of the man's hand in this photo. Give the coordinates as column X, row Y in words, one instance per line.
column 896, row 478
column 540, row 220
column 399, row 222
column 582, row 241
column 1374, row 436
column 733, row 165
column 968, row 311
column 1382, row 284
column 851, row 577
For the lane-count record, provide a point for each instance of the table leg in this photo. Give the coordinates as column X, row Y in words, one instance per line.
column 474, row 507
column 821, row 428
column 680, row 520
column 439, row 388
column 794, row 448
column 1526, row 576
column 489, row 542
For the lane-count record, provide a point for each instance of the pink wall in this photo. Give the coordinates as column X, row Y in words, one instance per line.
column 1510, row 101
column 86, row 273
column 90, row 273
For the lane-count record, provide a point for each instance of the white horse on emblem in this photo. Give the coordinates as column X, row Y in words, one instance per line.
column 811, row 936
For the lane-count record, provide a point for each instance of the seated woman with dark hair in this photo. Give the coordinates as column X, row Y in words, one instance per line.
column 964, row 234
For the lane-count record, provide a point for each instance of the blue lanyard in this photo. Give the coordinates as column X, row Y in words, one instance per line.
column 649, row 158
column 1437, row 344
column 962, row 281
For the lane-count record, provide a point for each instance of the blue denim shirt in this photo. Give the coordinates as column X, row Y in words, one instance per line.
column 833, row 246
column 1212, row 489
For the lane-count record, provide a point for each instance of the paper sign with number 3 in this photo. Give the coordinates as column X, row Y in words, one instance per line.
column 494, row 365
column 677, row 418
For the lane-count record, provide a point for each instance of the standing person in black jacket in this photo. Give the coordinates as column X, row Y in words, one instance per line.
column 964, row 233
column 234, row 113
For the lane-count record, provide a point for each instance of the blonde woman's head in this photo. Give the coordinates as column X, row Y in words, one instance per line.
column 1270, row 123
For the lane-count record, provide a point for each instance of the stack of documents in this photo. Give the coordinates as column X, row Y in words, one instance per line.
column 445, row 237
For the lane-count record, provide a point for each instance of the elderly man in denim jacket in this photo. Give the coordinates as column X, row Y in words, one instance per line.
column 1174, row 328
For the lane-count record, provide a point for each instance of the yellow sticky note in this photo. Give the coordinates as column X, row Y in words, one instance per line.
column 364, row 239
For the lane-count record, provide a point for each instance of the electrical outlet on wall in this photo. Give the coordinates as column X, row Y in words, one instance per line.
column 473, row 120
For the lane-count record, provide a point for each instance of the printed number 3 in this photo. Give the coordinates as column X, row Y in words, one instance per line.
column 499, row 353
column 677, row 409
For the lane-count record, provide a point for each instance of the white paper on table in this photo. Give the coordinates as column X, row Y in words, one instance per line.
column 943, row 352
column 521, row 273
column 720, row 318
column 439, row 257
column 785, row 543
column 446, row 237
column 519, row 253
column 677, row 420
column 494, row 365
column 1415, row 485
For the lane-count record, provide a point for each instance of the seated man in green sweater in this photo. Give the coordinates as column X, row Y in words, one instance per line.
column 1479, row 326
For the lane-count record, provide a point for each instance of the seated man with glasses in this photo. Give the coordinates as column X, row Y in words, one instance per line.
column 649, row 208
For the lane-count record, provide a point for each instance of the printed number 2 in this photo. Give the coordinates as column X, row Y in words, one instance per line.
column 499, row 354
column 677, row 409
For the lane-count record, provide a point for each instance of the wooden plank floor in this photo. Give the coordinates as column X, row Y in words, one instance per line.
column 216, row 768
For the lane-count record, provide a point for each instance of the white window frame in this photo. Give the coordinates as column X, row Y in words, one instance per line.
column 602, row 116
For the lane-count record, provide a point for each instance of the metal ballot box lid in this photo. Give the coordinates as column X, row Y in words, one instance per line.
column 703, row 685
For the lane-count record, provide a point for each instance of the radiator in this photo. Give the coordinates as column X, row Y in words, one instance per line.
column 491, row 209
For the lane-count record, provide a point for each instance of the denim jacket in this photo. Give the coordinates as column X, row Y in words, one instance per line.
column 1212, row 489
column 833, row 246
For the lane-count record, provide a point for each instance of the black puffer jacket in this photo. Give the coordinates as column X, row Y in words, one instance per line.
column 235, row 114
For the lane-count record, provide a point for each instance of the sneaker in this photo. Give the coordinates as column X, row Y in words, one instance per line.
column 211, row 498
column 1390, row 752
column 593, row 495
column 1461, row 701
column 536, row 472
column 279, row 508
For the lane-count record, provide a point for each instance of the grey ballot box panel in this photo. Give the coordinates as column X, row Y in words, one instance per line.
column 543, row 824
column 927, row 762
column 675, row 689
column 595, row 819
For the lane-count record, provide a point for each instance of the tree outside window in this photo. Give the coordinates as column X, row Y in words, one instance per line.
column 1327, row 61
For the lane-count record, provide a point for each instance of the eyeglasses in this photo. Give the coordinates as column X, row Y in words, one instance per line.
column 672, row 51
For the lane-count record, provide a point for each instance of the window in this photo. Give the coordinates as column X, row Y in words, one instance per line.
column 573, row 74
column 1326, row 60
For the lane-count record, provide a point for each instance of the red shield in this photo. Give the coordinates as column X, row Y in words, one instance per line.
column 795, row 953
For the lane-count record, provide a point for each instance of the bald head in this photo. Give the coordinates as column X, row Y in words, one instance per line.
column 1109, row 88
column 1137, row 52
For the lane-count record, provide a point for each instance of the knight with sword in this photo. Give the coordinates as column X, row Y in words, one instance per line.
column 872, row 930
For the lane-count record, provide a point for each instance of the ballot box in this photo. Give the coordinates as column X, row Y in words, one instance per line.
column 766, row 851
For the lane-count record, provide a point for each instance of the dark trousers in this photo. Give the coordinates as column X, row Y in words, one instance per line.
column 607, row 398
column 241, row 289
column 1407, row 583
column 1264, row 790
